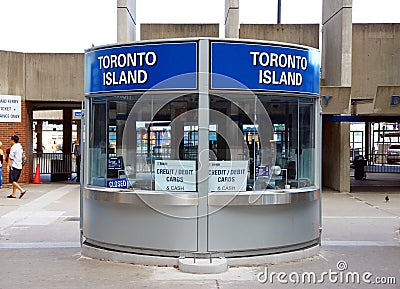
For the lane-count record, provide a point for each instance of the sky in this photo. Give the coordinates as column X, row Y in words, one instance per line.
column 74, row 25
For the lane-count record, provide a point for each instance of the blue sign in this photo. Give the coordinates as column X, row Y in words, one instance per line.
column 118, row 183
column 141, row 67
column 114, row 163
column 264, row 67
column 78, row 113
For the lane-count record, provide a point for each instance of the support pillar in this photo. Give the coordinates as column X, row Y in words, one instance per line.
column 67, row 130
column 39, row 136
column 78, row 130
column 231, row 18
column 126, row 20
column 336, row 156
column 336, row 71
column 367, row 147
column 67, row 144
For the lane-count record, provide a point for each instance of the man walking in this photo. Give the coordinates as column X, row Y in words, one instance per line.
column 14, row 166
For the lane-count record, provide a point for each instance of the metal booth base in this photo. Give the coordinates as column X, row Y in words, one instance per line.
column 197, row 265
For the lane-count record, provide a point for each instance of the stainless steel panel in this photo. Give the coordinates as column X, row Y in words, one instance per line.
column 262, row 198
column 140, row 198
column 248, row 228
column 164, row 227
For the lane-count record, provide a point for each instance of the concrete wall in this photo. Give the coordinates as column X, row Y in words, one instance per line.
column 163, row 31
column 304, row 34
column 12, row 73
column 54, row 77
column 376, row 58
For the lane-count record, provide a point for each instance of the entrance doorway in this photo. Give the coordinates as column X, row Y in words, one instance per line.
column 53, row 135
column 379, row 144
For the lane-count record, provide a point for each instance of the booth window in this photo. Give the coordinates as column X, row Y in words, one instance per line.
column 293, row 123
column 133, row 134
column 136, row 141
column 97, row 144
column 266, row 132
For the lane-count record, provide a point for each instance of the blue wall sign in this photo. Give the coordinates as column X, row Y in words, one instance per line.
column 117, row 183
column 264, row 67
column 141, row 67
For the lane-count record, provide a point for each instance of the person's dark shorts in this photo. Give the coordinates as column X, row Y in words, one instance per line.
column 14, row 175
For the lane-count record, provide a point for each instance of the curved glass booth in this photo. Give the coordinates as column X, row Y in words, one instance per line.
column 201, row 148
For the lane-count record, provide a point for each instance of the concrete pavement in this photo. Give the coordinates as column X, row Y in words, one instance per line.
column 39, row 247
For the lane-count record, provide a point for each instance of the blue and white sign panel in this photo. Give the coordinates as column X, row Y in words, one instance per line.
column 264, row 67
column 141, row 67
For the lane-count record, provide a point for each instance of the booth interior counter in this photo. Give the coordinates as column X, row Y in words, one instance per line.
column 201, row 147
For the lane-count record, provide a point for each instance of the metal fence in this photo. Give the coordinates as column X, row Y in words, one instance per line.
column 378, row 163
column 54, row 163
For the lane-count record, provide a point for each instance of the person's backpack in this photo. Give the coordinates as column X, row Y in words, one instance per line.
column 24, row 158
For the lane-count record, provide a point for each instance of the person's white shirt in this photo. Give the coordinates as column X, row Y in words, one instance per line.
column 16, row 156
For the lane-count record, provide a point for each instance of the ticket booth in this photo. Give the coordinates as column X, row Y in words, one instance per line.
column 201, row 149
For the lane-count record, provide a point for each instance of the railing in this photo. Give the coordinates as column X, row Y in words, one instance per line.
column 54, row 163
column 378, row 163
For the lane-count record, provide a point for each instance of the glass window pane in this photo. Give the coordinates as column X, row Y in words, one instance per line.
column 97, row 144
column 132, row 135
column 306, row 143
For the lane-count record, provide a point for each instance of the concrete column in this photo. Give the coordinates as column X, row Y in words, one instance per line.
column 336, row 42
column 78, row 130
column 336, row 71
column 67, row 130
column 336, row 156
column 367, row 147
column 126, row 20
column 231, row 18
column 39, row 136
column 67, row 137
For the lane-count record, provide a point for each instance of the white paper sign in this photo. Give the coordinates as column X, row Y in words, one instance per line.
column 228, row 176
column 175, row 175
column 10, row 108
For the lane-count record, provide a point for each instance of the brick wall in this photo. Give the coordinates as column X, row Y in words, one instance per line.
column 24, row 130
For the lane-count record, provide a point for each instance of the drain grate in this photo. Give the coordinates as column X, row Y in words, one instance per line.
column 72, row 219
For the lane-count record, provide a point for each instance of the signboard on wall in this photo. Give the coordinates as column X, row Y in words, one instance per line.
column 264, row 67
column 175, row 175
column 10, row 108
column 228, row 176
column 141, row 67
